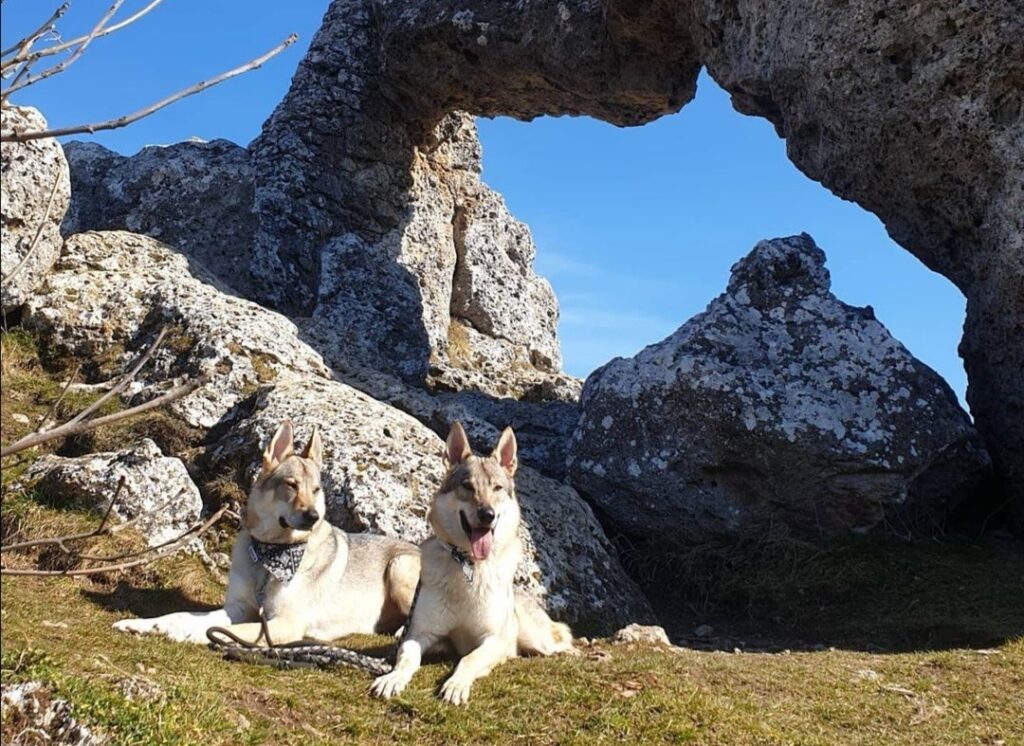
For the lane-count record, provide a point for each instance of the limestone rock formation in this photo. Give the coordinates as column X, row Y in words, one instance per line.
column 195, row 196
column 914, row 111
column 779, row 407
column 35, row 187
column 112, row 291
column 158, row 494
column 381, row 468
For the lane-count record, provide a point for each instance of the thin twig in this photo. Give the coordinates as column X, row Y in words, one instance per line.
column 193, row 532
column 59, row 540
column 62, row 66
column 63, row 431
column 13, row 136
column 25, row 43
column 103, row 32
column 125, row 380
column 39, row 230
column 53, row 410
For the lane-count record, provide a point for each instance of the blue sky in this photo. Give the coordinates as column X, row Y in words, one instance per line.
column 636, row 228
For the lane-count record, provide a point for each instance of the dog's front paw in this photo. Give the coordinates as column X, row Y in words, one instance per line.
column 135, row 626
column 455, row 691
column 388, row 685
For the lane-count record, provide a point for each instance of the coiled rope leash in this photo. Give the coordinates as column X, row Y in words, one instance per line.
column 293, row 654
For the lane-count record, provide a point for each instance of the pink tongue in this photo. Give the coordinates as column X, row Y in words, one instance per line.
column 480, row 540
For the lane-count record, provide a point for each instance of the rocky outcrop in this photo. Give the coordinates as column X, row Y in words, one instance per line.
column 543, row 427
column 913, row 111
column 381, row 468
column 779, row 407
column 111, row 292
column 195, row 196
column 31, row 714
column 35, row 187
column 158, row 495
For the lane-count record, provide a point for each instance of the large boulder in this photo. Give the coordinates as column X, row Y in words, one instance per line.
column 195, row 196
column 111, row 292
column 779, row 407
column 158, row 495
column 381, row 468
column 34, row 191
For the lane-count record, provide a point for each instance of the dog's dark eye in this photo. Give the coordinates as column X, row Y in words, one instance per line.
column 292, row 483
column 468, row 487
column 318, row 490
column 498, row 487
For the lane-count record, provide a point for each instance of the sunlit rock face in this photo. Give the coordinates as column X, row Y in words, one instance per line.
column 779, row 410
column 365, row 180
column 35, row 191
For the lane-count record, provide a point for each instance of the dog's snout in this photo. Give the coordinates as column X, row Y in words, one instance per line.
column 309, row 517
column 486, row 516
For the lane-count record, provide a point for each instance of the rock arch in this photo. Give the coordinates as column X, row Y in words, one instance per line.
column 369, row 163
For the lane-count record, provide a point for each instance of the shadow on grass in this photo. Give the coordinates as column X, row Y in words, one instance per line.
column 145, row 602
column 872, row 595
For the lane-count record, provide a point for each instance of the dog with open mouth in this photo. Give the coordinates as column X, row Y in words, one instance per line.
column 306, row 578
column 466, row 601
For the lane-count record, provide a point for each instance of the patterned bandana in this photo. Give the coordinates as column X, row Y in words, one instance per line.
column 280, row 560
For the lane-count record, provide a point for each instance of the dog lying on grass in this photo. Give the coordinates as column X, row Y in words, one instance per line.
column 466, row 601
column 310, row 579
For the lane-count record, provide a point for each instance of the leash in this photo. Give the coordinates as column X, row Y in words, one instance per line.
column 292, row 654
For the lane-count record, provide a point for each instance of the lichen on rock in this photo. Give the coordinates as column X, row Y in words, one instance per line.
column 35, row 186
column 778, row 408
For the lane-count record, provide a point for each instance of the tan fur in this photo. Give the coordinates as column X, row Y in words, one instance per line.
column 345, row 584
column 486, row 621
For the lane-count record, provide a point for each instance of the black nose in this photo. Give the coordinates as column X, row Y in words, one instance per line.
column 486, row 516
column 309, row 517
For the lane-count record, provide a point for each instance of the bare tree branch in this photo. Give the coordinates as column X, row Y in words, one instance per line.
column 154, row 553
column 62, row 66
column 39, row 231
column 56, row 48
column 125, row 380
column 14, row 136
column 41, row 424
column 62, row 431
column 25, row 43
column 59, row 540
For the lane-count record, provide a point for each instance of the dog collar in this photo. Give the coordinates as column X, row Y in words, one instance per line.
column 280, row 560
column 465, row 562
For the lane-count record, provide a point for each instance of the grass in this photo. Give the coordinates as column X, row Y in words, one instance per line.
column 609, row 694
column 926, row 647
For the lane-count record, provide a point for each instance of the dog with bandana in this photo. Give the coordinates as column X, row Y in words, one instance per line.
column 293, row 575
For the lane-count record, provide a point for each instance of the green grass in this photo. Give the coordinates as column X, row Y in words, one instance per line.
column 609, row 694
column 906, row 623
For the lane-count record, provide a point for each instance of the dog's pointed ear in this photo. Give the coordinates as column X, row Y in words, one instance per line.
column 506, row 451
column 315, row 449
column 280, row 447
column 457, row 447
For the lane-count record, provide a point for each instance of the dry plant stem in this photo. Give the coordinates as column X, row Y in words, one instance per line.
column 25, row 43
column 64, row 392
column 39, row 231
column 125, row 380
column 62, row 66
column 175, row 544
column 75, row 428
column 124, row 121
column 59, row 540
